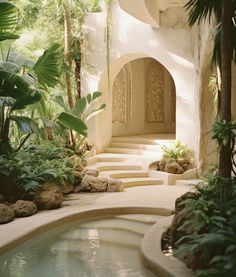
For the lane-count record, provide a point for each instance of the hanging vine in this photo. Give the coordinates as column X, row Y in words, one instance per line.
column 108, row 29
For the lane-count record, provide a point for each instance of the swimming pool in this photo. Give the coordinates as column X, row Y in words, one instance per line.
column 103, row 247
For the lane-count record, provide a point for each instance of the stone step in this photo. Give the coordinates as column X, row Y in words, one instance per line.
column 130, row 145
column 102, row 234
column 142, row 140
column 116, row 174
column 108, row 166
column 133, row 151
column 119, row 223
column 147, row 181
column 110, row 157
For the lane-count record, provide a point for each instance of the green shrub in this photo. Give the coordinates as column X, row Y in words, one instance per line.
column 213, row 213
column 28, row 169
column 177, row 152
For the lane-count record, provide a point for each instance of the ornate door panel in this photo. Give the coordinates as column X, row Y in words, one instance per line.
column 160, row 103
column 121, row 97
column 155, row 93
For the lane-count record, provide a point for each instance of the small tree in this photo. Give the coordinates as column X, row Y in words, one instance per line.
column 225, row 49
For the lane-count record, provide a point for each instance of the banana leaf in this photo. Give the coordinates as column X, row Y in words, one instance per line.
column 73, row 123
column 25, row 124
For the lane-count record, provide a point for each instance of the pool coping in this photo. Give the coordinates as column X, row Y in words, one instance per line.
column 153, row 257
column 27, row 231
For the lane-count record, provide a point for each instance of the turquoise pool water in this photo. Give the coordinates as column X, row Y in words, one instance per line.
column 98, row 248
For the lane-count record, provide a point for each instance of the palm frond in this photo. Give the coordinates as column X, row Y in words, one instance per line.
column 7, row 36
column 200, row 10
column 33, row 96
column 11, row 83
column 49, row 66
column 9, row 16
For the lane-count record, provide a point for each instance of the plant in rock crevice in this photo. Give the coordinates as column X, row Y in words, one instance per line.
column 178, row 153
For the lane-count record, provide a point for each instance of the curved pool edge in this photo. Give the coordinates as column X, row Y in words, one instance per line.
column 153, row 257
column 24, row 229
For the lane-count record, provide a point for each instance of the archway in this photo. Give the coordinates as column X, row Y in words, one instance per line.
column 143, row 99
column 181, row 71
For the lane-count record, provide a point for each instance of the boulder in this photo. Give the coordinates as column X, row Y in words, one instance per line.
column 67, row 188
column 178, row 202
column 174, row 168
column 91, row 172
column 93, row 184
column 181, row 215
column 114, row 185
column 6, row 214
column 78, row 178
column 50, row 197
column 162, row 165
column 185, row 164
column 154, row 165
column 79, row 167
column 24, row 208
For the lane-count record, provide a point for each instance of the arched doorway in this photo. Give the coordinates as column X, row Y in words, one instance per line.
column 143, row 99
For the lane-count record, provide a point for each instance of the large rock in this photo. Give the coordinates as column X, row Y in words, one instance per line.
column 179, row 201
column 6, row 214
column 185, row 164
column 181, row 215
column 50, row 197
column 154, row 165
column 114, row 185
column 78, row 178
column 91, row 172
column 79, row 167
column 67, row 188
column 24, row 208
column 174, row 168
column 93, row 184
column 162, row 165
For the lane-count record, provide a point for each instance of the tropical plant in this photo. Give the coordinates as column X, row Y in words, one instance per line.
column 22, row 82
column 177, row 152
column 225, row 134
column 26, row 170
column 75, row 119
column 212, row 213
column 9, row 16
column 223, row 54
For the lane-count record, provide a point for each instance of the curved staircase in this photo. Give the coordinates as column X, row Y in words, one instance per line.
column 127, row 159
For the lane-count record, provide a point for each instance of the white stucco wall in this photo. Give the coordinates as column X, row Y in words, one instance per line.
column 132, row 39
